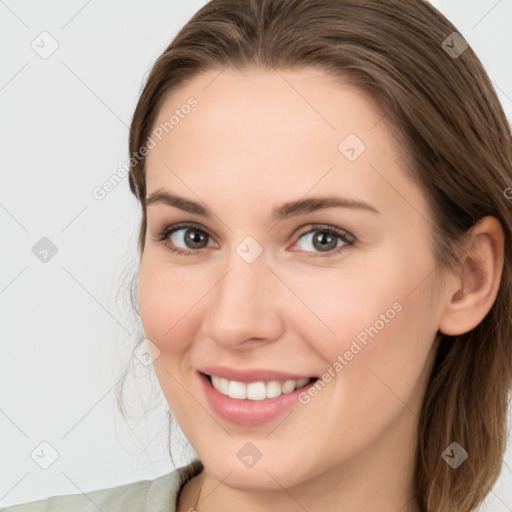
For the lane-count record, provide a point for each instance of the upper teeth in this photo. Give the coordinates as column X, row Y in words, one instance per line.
column 255, row 390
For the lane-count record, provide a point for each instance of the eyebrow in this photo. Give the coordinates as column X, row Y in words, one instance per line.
column 289, row 209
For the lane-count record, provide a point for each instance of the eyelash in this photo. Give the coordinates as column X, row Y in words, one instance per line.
column 345, row 237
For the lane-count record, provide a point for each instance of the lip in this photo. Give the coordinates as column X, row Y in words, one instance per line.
column 251, row 374
column 249, row 412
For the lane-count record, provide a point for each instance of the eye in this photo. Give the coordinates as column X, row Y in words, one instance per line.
column 324, row 239
column 184, row 238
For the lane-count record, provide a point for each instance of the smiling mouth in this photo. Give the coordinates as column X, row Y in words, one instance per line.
column 259, row 390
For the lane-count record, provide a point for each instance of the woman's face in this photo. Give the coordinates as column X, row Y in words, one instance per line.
column 264, row 286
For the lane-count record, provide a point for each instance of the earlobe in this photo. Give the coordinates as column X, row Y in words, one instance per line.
column 474, row 291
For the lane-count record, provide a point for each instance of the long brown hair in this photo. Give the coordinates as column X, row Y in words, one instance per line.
column 457, row 139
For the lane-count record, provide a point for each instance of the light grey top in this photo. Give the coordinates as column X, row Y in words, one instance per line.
column 158, row 495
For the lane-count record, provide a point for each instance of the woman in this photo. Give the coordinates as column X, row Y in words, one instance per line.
column 325, row 245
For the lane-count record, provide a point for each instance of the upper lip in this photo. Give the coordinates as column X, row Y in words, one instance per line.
column 251, row 374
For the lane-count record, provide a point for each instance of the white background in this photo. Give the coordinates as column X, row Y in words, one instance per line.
column 66, row 324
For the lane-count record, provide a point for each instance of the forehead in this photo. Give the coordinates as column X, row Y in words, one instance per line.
column 261, row 104
column 282, row 132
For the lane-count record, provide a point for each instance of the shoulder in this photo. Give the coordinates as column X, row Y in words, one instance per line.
column 157, row 495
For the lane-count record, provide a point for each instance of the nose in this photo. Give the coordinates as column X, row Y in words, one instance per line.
column 244, row 307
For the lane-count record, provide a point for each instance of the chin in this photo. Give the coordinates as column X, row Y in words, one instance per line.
column 269, row 475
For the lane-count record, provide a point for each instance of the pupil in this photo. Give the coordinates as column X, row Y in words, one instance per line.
column 323, row 243
column 194, row 238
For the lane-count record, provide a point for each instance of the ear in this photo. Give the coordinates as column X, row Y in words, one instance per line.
column 472, row 293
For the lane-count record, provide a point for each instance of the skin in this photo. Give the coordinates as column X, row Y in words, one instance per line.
column 257, row 139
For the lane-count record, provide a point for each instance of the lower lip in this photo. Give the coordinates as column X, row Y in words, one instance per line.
column 249, row 412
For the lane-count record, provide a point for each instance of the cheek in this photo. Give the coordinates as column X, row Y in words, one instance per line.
column 378, row 297
column 387, row 374
column 165, row 304
column 339, row 305
column 377, row 362
column 378, row 315
column 385, row 326
column 168, row 306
